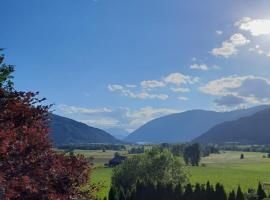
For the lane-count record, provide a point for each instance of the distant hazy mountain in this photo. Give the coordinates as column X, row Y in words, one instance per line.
column 118, row 133
column 185, row 126
column 68, row 131
column 254, row 129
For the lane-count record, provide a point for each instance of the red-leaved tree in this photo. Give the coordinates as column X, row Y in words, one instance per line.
column 29, row 167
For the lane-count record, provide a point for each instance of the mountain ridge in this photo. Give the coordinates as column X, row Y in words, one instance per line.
column 252, row 129
column 185, row 126
column 68, row 131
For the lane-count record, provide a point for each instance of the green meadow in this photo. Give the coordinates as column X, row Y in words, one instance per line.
column 226, row 168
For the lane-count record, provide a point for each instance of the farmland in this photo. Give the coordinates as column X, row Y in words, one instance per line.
column 226, row 168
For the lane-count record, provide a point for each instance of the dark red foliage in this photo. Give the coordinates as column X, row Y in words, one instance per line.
column 29, row 167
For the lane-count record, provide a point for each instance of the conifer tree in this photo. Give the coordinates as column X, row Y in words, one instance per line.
column 209, row 192
column 188, row 194
column 178, row 192
column 113, row 194
column 197, row 192
column 203, row 193
column 239, row 195
column 121, row 194
column 220, row 193
column 260, row 192
column 232, row 196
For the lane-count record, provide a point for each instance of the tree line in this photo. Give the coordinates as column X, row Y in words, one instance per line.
column 72, row 147
column 169, row 191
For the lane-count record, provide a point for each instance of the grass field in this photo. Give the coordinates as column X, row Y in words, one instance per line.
column 226, row 168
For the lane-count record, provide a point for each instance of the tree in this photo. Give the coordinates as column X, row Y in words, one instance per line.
column 242, row 156
column 178, row 192
column 232, row 196
column 29, row 167
column 197, row 192
column 251, row 195
column 220, row 193
column 152, row 167
column 177, row 149
column 188, row 194
column 192, row 154
column 260, row 192
column 210, row 192
column 112, row 194
column 239, row 194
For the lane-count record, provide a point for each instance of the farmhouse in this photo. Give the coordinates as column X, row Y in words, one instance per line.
column 117, row 160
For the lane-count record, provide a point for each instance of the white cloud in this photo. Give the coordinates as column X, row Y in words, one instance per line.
column 178, row 78
column 78, row 110
column 183, row 98
column 230, row 47
column 202, row 67
column 146, row 95
column 139, row 95
column 145, row 114
column 256, row 27
column 152, row 84
column 145, row 91
column 248, row 89
column 180, row 89
column 131, row 86
column 101, row 122
column 219, row 32
column 115, row 87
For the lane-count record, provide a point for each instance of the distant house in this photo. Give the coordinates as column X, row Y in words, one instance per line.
column 117, row 160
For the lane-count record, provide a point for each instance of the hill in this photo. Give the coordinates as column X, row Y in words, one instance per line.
column 254, row 129
column 68, row 131
column 185, row 126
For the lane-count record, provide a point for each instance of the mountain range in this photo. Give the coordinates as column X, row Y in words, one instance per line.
column 185, row 126
column 254, row 129
column 246, row 126
column 67, row 131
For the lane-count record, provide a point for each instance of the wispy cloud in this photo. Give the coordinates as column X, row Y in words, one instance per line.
column 148, row 88
column 202, row 67
column 230, row 47
column 79, row 110
column 219, row 32
column 179, row 78
column 183, row 98
column 139, row 95
column 102, row 122
column 152, row 84
column 180, row 89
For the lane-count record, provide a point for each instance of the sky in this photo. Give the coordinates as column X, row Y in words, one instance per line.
column 121, row 63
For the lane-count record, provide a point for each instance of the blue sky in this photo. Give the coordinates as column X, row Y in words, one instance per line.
column 121, row 63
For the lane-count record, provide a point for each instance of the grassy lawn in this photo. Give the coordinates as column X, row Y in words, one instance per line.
column 231, row 171
column 226, row 168
column 102, row 175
